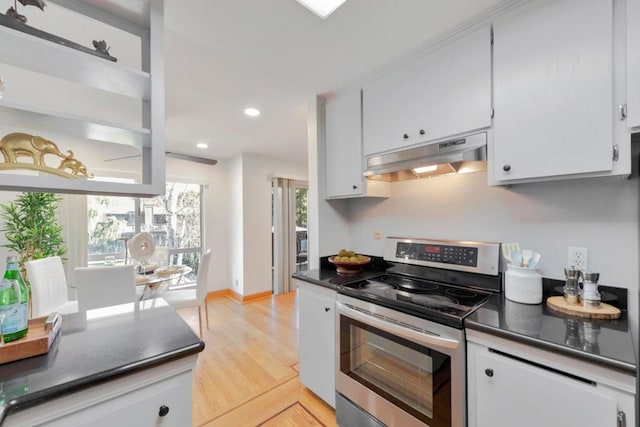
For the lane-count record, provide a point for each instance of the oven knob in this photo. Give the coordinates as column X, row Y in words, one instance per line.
column 326, row 309
column 489, row 372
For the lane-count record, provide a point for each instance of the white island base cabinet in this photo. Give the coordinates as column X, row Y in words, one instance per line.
column 159, row 396
column 512, row 384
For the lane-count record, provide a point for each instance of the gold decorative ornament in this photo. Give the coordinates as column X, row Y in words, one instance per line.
column 15, row 145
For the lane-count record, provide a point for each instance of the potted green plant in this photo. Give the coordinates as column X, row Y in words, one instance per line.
column 31, row 227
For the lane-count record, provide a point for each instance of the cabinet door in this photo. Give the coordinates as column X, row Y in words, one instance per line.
column 513, row 393
column 633, row 63
column 316, row 314
column 453, row 87
column 553, row 90
column 388, row 111
column 343, row 145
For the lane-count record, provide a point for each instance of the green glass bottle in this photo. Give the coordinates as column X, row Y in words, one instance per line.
column 14, row 303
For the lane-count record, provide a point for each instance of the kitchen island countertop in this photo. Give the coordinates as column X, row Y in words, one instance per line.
column 95, row 347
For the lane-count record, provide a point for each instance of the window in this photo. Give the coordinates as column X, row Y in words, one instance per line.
column 173, row 219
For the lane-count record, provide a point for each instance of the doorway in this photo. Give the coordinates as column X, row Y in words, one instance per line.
column 289, row 239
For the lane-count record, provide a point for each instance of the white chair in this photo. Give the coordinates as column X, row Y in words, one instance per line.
column 48, row 287
column 104, row 286
column 193, row 297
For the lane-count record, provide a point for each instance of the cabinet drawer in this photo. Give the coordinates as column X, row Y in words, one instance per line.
column 140, row 407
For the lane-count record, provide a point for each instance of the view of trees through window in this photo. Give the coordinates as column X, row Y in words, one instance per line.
column 173, row 219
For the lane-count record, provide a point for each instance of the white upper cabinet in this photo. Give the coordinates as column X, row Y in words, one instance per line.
column 388, row 111
column 447, row 92
column 633, row 63
column 83, row 102
column 343, row 149
column 453, row 87
column 554, row 93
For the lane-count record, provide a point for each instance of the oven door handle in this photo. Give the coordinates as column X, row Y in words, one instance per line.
column 425, row 338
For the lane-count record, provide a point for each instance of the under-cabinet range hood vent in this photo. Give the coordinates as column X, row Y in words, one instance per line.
column 461, row 155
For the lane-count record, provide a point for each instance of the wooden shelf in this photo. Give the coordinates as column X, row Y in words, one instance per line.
column 15, row 182
column 81, row 127
column 141, row 18
column 60, row 61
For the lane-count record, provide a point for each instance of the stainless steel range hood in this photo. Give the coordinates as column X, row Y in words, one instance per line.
column 461, row 155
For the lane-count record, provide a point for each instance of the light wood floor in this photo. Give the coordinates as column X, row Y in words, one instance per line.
column 247, row 374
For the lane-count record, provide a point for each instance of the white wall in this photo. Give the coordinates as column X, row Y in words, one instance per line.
column 251, row 205
column 236, row 232
column 600, row 214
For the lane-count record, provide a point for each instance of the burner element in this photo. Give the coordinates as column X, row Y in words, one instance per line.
column 417, row 287
column 433, row 300
column 376, row 285
column 461, row 293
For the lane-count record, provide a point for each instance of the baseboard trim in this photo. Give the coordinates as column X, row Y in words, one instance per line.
column 236, row 297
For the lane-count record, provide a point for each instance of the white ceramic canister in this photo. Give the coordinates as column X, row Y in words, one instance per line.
column 522, row 284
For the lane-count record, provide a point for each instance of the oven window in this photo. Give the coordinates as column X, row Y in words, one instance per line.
column 414, row 378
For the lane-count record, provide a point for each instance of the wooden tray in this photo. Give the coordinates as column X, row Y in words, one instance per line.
column 42, row 333
column 604, row 311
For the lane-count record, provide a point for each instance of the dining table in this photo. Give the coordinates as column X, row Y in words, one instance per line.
column 155, row 281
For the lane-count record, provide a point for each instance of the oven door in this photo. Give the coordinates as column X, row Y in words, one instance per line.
column 404, row 372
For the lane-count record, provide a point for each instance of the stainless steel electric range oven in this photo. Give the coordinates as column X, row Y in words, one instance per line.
column 400, row 343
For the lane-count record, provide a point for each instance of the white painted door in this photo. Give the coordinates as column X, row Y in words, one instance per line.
column 343, row 145
column 633, row 63
column 453, row 87
column 316, row 314
column 512, row 393
column 388, row 111
column 553, row 90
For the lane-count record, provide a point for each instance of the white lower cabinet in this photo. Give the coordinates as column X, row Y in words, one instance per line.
column 159, row 396
column 511, row 384
column 317, row 339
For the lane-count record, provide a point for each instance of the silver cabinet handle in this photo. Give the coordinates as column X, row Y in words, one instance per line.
column 622, row 419
column 622, row 111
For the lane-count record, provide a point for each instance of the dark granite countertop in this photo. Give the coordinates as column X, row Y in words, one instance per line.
column 327, row 276
column 97, row 346
column 605, row 342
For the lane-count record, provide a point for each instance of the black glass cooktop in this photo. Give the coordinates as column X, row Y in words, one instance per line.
column 436, row 301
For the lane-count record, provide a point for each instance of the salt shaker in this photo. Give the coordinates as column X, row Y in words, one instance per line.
column 590, row 294
column 571, row 290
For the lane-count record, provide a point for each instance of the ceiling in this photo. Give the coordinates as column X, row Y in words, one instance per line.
column 225, row 55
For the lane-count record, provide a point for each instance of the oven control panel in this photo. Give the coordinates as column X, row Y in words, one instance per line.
column 474, row 257
column 445, row 254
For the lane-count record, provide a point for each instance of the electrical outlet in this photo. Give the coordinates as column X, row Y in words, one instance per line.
column 579, row 258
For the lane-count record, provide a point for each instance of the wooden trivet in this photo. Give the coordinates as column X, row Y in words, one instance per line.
column 603, row 311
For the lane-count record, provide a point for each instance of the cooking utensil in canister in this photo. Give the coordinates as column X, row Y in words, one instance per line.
column 508, row 249
column 527, row 254
column 535, row 259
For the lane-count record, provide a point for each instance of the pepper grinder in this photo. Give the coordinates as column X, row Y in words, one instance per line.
column 571, row 290
column 590, row 294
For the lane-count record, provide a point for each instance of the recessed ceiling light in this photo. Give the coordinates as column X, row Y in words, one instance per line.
column 252, row 112
column 322, row 8
column 202, row 145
